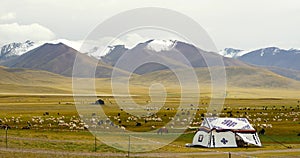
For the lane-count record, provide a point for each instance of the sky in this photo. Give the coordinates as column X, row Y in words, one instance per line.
column 243, row 24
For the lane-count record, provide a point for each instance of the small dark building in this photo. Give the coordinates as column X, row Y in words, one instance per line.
column 100, row 101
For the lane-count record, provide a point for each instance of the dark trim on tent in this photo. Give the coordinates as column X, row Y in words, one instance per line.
column 205, row 129
column 235, row 130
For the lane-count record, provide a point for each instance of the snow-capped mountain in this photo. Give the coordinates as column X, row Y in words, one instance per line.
column 91, row 49
column 161, row 45
column 230, row 52
column 273, row 56
column 237, row 53
column 59, row 58
column 269, row 51
column 16, row 49
column 175, row 54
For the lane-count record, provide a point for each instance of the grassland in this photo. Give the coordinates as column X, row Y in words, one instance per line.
column 278, row 116
column 42, row 103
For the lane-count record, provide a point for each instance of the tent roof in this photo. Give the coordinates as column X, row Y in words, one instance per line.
column 227, row 123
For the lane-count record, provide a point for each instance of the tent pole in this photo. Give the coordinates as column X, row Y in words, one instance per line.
column 6, row 136
column 129, row 146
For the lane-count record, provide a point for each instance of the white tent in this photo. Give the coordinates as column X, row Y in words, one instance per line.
column 225, row 132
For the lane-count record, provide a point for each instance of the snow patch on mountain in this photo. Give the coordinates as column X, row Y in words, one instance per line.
column 90, row 48
column 98, row 52
column 236, row 53
column 161, row 45
column 262, row 52
column 274, row 51
column 230, row 52
column 16, row 49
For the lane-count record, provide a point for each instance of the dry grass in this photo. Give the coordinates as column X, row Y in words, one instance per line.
column 54, row 97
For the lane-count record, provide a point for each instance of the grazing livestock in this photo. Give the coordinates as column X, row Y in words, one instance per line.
column 100, row 102
column 162, row 130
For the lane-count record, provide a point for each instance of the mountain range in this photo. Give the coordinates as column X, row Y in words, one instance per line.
column 59, row 58
column 267, row 67
column 268, row 57
column 16, row 49
column 165, row 54
column 274, row 57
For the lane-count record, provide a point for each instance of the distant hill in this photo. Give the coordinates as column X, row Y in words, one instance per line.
column 239, row 80
column 59, row 58
column 16, row 80
column 244, row 77
column 164, row 53
column 289, row 73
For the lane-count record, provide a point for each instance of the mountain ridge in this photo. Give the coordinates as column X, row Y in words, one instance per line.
column 166, row 54
column 59, row 58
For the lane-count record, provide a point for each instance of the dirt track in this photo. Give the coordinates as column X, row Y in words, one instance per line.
column 165, row 154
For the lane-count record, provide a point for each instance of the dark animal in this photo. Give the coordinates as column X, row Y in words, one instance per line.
column 5, row 126
column 262, row 132
column 26, row 127
column 100, row 102
column 46, row 113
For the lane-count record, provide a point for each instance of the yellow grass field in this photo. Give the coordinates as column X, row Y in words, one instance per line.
column 44, row 120
column 277, row 109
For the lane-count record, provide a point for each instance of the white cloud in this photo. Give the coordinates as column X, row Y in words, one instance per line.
column 243, row 24
column 71, row 43
column 16, row 33
column 8, row 16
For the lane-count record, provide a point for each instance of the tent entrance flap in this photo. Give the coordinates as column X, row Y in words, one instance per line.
column 250, row 138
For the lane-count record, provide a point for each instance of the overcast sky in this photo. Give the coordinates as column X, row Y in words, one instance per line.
column 244, row 24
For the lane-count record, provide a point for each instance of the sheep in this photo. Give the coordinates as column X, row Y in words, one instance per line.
column 159, row 119
column 63, row 124
column 86, row 126
column 41, row 121
column 123, row 128
column 81, row 128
